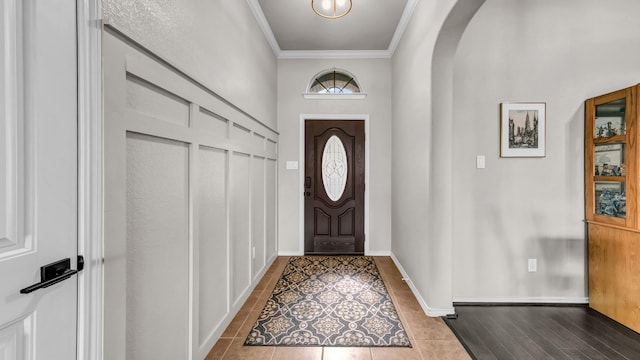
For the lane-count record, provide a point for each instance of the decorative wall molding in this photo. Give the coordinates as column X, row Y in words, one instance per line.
column 220, row 207
column 316, row 96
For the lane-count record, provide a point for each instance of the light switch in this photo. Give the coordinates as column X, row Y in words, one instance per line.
column 292, row 165
column 480, row 162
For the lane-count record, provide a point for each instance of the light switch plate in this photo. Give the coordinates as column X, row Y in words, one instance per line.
column 480, row 163
column 292, row 165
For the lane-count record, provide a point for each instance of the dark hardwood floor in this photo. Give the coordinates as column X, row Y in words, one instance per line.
column 542, row 332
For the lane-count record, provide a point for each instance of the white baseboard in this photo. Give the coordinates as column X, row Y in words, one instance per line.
column 290, row 253
column 431, row 312
column 370, row 253
column 378, row 253
column 522, row 300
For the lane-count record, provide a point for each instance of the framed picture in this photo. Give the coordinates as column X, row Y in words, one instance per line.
column 522, row 129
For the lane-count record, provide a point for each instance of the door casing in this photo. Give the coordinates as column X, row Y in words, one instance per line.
column 89, row 32
column 301, row 167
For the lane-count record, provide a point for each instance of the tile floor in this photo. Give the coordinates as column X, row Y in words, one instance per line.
column 430, row 337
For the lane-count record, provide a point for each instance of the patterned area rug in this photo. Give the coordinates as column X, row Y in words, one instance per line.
column 329, row 301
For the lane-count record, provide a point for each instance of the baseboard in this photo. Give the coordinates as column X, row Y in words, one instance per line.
column 297, row 253
column 431, row 312
column 378, row 253
column 290, row 253
column 520, row 300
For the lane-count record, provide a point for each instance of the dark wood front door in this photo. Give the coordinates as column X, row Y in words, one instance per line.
column 334, row 187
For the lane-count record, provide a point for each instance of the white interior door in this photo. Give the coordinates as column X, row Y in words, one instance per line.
column 38, row 176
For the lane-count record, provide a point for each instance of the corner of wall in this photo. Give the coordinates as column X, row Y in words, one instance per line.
column 428, row 310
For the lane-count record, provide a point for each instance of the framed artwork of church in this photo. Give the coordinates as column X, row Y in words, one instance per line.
column 522, row 129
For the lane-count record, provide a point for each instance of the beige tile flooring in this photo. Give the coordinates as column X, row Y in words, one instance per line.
column 430, row 337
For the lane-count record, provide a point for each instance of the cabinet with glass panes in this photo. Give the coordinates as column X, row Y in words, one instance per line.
column 611, row 185
column 610, row 158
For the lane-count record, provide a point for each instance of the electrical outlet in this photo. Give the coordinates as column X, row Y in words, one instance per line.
column 533, row 265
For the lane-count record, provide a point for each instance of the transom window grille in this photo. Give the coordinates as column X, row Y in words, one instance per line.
column 334, row 82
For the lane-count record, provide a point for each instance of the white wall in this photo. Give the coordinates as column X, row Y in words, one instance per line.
column 561, row 53
column 229, row 168
column 219, row 43
column 187, row 179
column 374, row 76
column 423, row 218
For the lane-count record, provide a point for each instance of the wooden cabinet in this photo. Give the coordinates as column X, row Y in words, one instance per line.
column 611, row 186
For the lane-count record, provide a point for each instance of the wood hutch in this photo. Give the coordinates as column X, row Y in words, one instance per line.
column 612, row 160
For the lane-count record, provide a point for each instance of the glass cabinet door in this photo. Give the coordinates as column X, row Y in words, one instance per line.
column 610, row 119
column 608, row 178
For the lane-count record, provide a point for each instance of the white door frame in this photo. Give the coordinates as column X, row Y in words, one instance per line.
column 90, row 241
column 367, row 158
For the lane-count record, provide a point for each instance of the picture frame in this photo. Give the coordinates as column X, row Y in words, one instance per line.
column 523, row 129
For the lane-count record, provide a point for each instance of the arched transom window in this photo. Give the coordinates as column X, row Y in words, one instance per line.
column 334, row 82
column 338, row 83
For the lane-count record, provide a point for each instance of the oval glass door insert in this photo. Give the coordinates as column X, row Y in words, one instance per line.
column 334, row 168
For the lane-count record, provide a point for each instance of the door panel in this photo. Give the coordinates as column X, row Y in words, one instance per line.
column 38, row 176
column 334, row 187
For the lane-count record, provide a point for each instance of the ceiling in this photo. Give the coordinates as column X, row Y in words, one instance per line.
column 372, row 29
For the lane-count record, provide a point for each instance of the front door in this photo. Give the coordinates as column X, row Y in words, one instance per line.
column 334, row 187
column 38, row 178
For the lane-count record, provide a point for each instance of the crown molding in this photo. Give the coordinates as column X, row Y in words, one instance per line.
column 334, row 54
column 402, row 26
column 256, row 9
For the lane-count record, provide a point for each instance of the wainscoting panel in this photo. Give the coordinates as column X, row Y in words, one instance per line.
column 157, row 248
column 271, row 182
column 190, row 206
column 258, row 215
column 240, row 220
column 212, row 247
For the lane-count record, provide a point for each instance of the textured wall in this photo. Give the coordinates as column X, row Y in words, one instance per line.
column 217, row 42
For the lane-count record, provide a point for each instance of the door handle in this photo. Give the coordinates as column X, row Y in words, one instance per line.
column 54, row 273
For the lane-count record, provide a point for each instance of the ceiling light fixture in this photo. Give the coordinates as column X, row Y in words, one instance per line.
column 331, row 9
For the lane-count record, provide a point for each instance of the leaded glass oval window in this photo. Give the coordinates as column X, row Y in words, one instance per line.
column 334, row 168
column 334, row 82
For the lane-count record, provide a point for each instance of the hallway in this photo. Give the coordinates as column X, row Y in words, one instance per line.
column 430, row 337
